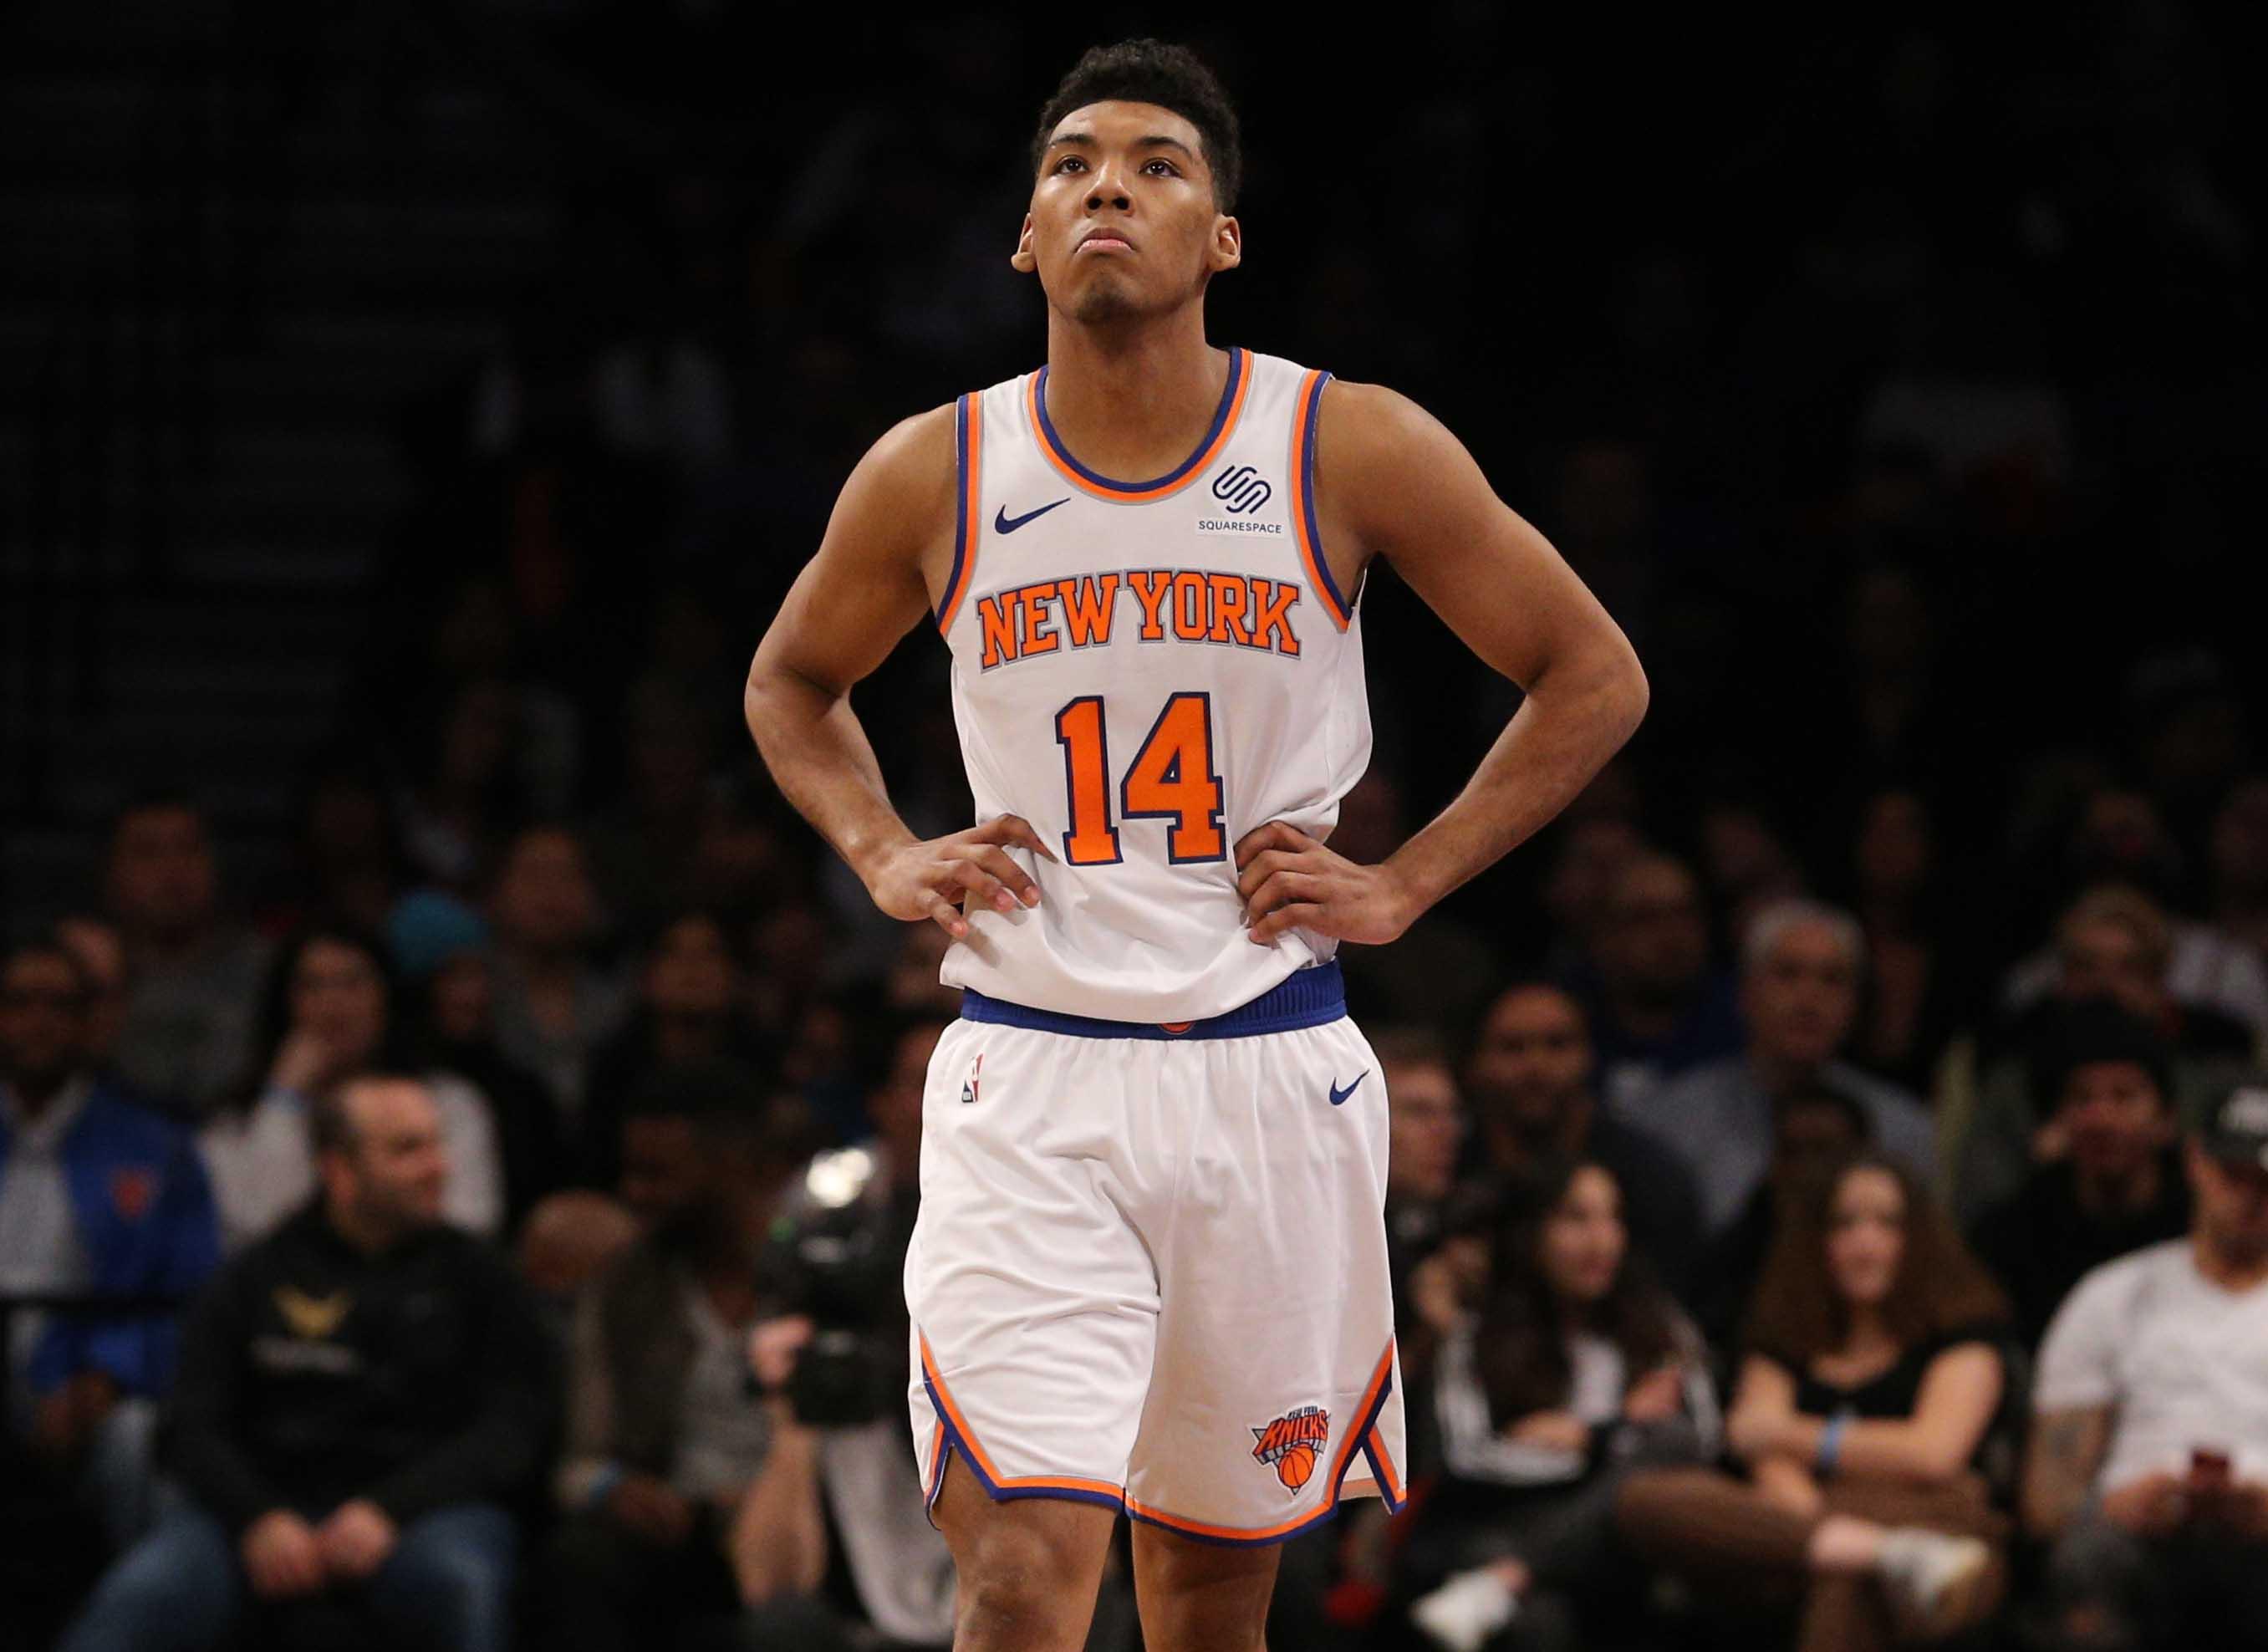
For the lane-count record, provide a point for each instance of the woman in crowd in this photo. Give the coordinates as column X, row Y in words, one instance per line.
column 1577, row 1367
column 330, row 1009
column 1862, row 1414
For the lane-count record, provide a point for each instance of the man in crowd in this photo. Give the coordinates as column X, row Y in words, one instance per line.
column 99, row 1196
column 364, row 1396
column 1425, row 1126
column 2112, row 1181
column 2148, row 1466
column 2113, row 942
column 838, row 1497
column 1528, row 1078
column 1655, row 1006
column 1800, row 967
column 194, row 976
column 1814, row 1126
column 664, row 1439
column 553, row 1005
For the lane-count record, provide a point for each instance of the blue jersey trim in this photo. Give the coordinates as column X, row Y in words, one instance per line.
column 1306, row 998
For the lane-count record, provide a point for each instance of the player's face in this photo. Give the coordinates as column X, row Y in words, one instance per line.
column 1123, row 221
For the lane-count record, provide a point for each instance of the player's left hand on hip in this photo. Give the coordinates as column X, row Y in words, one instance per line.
column 1289, row 880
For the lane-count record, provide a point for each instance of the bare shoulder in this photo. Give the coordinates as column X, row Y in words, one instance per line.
column 909, row 474
column 1393, row 474
column 1369, row 430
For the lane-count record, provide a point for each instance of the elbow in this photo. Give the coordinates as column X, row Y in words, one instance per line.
column 1938, row 1463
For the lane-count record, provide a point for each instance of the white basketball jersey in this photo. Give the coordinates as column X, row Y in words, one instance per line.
column 1146, row 672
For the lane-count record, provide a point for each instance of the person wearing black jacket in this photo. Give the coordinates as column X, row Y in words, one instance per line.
column 363, row 1396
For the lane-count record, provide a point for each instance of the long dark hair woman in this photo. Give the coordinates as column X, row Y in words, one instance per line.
column 1863, row 1416
column 332, row 1005
column 1577, row 1368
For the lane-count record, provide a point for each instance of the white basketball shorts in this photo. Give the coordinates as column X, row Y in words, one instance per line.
column 1150, row 1268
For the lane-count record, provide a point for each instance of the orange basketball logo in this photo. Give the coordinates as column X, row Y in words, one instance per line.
column 1290, row 1445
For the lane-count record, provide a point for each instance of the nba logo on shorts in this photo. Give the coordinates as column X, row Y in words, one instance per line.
column 968, row 1088
column 1292, row 1443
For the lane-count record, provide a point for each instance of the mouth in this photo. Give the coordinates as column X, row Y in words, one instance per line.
column 1105, row 241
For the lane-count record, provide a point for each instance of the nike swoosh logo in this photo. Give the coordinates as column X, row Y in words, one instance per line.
column 1338, row 1094
column 1004, row 523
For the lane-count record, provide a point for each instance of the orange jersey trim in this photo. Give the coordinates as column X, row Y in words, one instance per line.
column 1101, row 487
column 981, row 1461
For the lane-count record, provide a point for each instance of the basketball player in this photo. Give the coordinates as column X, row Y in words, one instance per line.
column 1150, row 1272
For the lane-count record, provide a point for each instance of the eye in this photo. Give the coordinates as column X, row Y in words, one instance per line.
column 1070, row 160
column 1168, row 164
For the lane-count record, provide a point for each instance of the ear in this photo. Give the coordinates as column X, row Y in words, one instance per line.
column 1024, row 258
column 1227, row 250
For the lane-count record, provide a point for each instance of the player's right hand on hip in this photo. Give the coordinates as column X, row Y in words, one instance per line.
column 929, row 879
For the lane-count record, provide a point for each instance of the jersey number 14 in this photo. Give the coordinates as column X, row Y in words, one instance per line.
column 1171, row 778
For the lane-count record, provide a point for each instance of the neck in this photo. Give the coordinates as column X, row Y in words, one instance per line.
column 2232, row 1272
column 2130, row 1189
column 687, row 1037
column 1131, row 398
column 1868, row 1330
column 35, row 1092
column 372, row 1235
column 1777, row 1073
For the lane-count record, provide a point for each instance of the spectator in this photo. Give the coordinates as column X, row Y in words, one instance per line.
column 689, row 1009
column 2111, row 1181
column 2111, row 943
column 1577, row 1369
column 2148, row 1470
column 1800, row 964
column 329, row 1011
column 1425, row 1124
column 1863, row 1413
column 2238, row 852
column 100, row 949
column 1815, row 1128
column 1657, row 1009
column 2121, row 842
column 443, row 950
column 839, row 1494
column 364, row 1396
column 1529, row 1080
column 554, row 1005
column 99, row 1196
column 1919, row 981
column 193, row 976
column 664, row 1440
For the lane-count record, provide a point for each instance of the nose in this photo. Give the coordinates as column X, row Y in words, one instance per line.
column 1109, row 189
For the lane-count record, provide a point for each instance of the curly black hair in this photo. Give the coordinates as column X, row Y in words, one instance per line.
column 1171, row 77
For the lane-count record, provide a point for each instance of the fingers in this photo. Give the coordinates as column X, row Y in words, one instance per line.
column 1274, row 835
column 1012, row 828
column 944, row 913
column 1265, row 864
column 1281, row 888
column 1298, row 915
column 1004, row 882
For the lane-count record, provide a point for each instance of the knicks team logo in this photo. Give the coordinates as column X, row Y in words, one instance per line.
column 1241, row 489
column 1290, row 1445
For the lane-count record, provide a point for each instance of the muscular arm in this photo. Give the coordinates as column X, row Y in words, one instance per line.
column 1393, row 483
column 2066, row 1453
column 869, row 585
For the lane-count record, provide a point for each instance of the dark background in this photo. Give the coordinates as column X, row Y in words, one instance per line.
column 1894, row 380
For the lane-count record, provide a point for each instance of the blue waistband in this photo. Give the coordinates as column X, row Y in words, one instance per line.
column 1306, row 998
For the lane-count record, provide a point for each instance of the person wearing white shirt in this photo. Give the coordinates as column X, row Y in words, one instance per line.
column 2148, row 1467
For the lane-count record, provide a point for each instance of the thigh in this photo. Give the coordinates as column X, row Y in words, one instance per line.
column 449, row 1576
column 1026, row 1569
column 1277, row 1388
column 178, row 1589
column 1033, row 1295
column 1199, row 1597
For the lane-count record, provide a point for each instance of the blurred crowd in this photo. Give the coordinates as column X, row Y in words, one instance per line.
column 1829, row 1170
